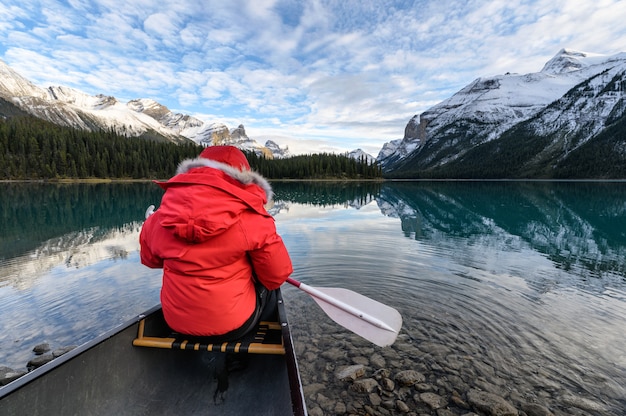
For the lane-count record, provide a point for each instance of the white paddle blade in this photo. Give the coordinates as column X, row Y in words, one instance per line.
column 374, row 321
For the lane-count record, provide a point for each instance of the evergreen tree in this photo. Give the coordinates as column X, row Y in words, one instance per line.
column 31, row 148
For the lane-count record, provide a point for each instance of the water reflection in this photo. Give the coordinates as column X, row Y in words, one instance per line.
column 515, row 288
column 327, row 193
column 524, row 280
column 580, row 226
column 34, row 212
column 69, row 267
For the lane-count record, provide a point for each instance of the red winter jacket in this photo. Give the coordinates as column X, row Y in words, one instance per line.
column 209, row 235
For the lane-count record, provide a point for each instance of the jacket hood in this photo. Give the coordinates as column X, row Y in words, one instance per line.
column 246, row 177
column 206, row 197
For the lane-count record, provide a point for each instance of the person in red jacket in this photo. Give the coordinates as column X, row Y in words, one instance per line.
column 218, row 246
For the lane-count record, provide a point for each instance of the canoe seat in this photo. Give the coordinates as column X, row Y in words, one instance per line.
column 265, row 339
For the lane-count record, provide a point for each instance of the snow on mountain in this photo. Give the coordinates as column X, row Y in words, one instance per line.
column 180, row 123
column 586, row 109
column 568, row 60
column 503, row 100
column 359, row 154
column 13, row 84
column 396, row 150
column 487, row 107
column 277, row 151
column 69, row 107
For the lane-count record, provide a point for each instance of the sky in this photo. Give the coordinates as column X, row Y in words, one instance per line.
column 316, row 75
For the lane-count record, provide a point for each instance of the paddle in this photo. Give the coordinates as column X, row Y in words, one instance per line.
column 374, row 321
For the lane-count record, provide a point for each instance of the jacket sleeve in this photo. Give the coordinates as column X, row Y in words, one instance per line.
column 269, row 257
column 146, row 240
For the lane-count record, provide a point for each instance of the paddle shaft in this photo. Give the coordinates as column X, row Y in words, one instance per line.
column 339, row 304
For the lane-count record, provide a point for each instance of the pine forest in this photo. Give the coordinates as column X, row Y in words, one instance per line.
column 33, row 149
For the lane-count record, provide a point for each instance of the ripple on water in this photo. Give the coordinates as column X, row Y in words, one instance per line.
column 489, row 326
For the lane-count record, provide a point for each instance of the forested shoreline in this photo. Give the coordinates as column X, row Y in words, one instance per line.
column 33, row 149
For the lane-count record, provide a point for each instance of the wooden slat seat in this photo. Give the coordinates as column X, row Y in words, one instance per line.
column 266, row 339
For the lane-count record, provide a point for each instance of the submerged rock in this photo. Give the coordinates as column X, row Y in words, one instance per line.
column 491, row 404
column 409, row 377
column 351, row 372
column 39, row 360
column 63, row 350
column 41, row 348
column 8, row 375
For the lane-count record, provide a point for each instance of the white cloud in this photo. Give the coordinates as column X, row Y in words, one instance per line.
column 342, row 72
column 161, row 25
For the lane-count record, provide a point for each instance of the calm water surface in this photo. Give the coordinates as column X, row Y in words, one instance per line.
column 527, row 279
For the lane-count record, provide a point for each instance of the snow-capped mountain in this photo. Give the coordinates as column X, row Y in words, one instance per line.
column 277, row 151
column 359, row 154
column 396, row 150
column 576, row 237
column 136, row 118
column 570, row 101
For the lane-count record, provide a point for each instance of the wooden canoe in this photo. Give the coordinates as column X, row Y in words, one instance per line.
column 163, row 375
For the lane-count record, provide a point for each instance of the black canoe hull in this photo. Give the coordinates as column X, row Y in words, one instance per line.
column 108, row 376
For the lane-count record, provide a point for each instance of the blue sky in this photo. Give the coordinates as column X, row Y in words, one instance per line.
column 318, row 75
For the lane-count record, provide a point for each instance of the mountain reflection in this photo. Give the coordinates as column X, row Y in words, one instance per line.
column 33, row 213
column 75, row 225
column 580, row 226
column 575, row 224
column 322, row 193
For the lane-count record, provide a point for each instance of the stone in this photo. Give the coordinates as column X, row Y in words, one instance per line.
column 375, row 399
column 387, row 384
column 312, row 388
column 434, row 401
column 459, row 402
column 583, row 403
column 39, row 360
column 533, row 409
column 340, row 408
column 366, row 385
column 361, row 360
column 316, row 411
column 409, row 377
column 491, row 404
column 377, row 361
column 63, row 350
column 334, row 354
column 402, row 407
column 351, row 372
column 324, row 402
column 8, row 375
column 41, row 348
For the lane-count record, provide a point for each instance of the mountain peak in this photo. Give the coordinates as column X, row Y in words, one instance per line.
column 13, row 84
column 359, row 154
column 572, row 100
column 569, row 60
column 143, row 116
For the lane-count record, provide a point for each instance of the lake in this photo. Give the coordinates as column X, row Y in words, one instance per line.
column 513, row 288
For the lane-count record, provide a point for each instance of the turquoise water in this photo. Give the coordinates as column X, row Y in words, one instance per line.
column 527, row 277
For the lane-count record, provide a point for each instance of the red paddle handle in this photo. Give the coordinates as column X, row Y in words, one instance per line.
column 293, row 282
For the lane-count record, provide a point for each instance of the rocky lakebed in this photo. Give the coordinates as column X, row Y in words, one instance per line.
column 342, row 374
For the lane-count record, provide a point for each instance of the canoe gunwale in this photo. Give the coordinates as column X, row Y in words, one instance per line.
column 293, row 372
column 68, row 356
column 20, row 389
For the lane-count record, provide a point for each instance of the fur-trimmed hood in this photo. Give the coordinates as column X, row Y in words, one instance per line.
column 246, row 177
column 206, row 197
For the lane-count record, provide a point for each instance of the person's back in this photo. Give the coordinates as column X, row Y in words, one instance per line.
column 216, row 243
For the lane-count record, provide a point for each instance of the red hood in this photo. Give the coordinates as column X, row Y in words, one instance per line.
column 206, row 197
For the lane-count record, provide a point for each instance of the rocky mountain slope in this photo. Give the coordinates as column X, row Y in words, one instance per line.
column 544, row 124
column 137, row 118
